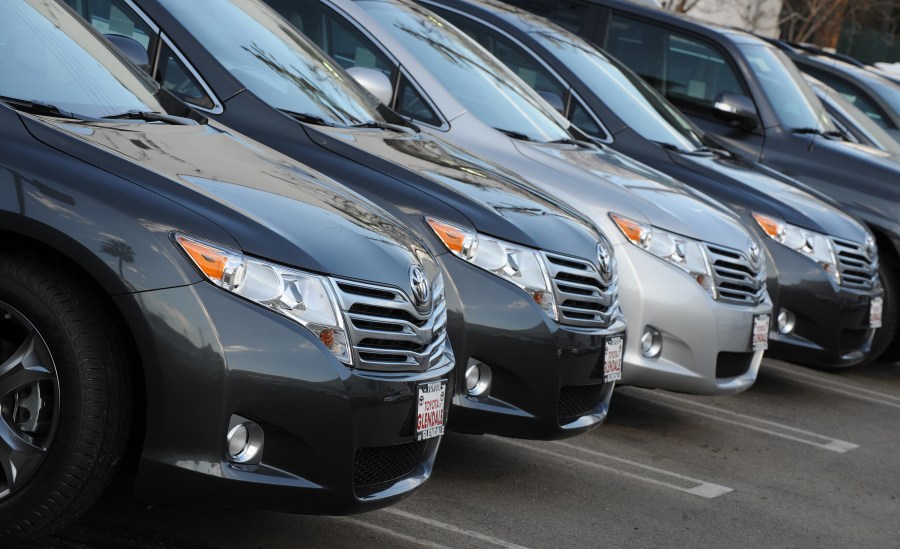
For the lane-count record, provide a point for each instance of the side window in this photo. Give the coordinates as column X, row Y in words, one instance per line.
column 512, row 55
column 115, row 17
column 340, row 39
column 579, row 115
column 175, row 77
column 569, row 15
column 853, row 94
column 411, row 103
column 686, row 70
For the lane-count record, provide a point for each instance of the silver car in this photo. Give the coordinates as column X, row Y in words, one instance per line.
column 692, row 278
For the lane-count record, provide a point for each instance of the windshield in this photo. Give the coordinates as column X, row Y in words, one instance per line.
column 49, row 56
column 475, row 78
column 266, row 54
column 634, row 101
column 795, row 104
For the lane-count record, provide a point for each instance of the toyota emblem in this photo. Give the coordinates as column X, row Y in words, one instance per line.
column 604, row 259
column 871, row 248
column 419, row 284
column 754, row 250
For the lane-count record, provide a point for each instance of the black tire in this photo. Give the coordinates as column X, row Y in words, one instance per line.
column 85, row 391
column 884, row 345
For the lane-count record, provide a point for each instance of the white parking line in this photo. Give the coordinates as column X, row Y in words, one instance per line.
column 841, row 387
column 392, row 533
column 692, row 486
column 451, row 528
column 750, row 422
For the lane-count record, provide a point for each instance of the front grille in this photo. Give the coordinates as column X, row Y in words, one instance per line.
column 386, row 463
column 584, row 298
column 858, row 269
column 387, row 332
column 738, row 279
column 733, row 364
column 575, row 402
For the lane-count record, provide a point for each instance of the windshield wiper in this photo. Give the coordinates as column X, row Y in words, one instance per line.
column 38, row 107
column 515, row 135
column 382, row 126
column 149, row 116
column 307, row 118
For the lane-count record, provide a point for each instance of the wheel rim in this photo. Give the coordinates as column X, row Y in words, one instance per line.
column 29, row 400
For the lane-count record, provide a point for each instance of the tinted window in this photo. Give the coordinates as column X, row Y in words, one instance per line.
column 476, row 79
column 686, row 70
column 411, row 103
column 581, row 117
column 338, row 38
column 623, row 92
column 518, row 60
column 175, row 77
column 114, row 17
column 569, row 15
column 854, row 95
column 49, row 56
column 277, row 63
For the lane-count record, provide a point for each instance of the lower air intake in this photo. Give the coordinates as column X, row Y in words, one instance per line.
column 575, row 402
column 733, row 364
column 386, row 463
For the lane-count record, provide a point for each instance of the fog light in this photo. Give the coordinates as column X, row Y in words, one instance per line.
column 478, row 378
column 787, row 321
column 244, row 441
column 651, row 342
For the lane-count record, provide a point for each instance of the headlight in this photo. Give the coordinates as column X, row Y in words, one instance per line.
column 812, row 244
column 687, row 254
column 302, row 297
column 522, row 266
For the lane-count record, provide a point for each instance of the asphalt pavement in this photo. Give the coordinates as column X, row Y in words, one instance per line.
column 802, row 459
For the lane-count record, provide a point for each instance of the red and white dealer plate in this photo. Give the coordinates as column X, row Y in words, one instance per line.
column 760, row 337
column 430, row 417
column 612, row 358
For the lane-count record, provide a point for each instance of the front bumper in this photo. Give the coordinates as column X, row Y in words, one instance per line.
column 547, row 379
column 337, row 440
column 706, row 344
column 832, row 328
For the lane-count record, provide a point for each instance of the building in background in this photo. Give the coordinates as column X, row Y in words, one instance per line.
column 757, row 16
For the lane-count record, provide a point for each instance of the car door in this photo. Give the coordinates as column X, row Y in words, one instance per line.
column 688, row 69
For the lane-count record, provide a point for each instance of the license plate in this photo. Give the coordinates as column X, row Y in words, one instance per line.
column 760, row 332
column 612, row 359
column 430, row 417
column 875, row 308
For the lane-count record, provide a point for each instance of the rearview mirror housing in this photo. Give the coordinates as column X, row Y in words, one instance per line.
column 132, row 49
column 375, row 82
column 736, row 109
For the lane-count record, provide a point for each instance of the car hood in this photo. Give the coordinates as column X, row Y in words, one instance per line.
column 273, row 207
column 665, row 202
column 766, row 192
column 494, row 199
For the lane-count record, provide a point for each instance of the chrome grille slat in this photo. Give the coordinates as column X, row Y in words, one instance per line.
column 386, row 330
column 583, row 298
column 857, row 269
column 738, row 279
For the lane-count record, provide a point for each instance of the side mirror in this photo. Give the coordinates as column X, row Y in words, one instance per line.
column 736, row 109
column 132, row 49
column 554, row 100
column 375, row 82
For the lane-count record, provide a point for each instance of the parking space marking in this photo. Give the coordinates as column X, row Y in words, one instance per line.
column 451, row 528
column 692, row 486
column 840, row 387
column 749, row 422
column 392, row 533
